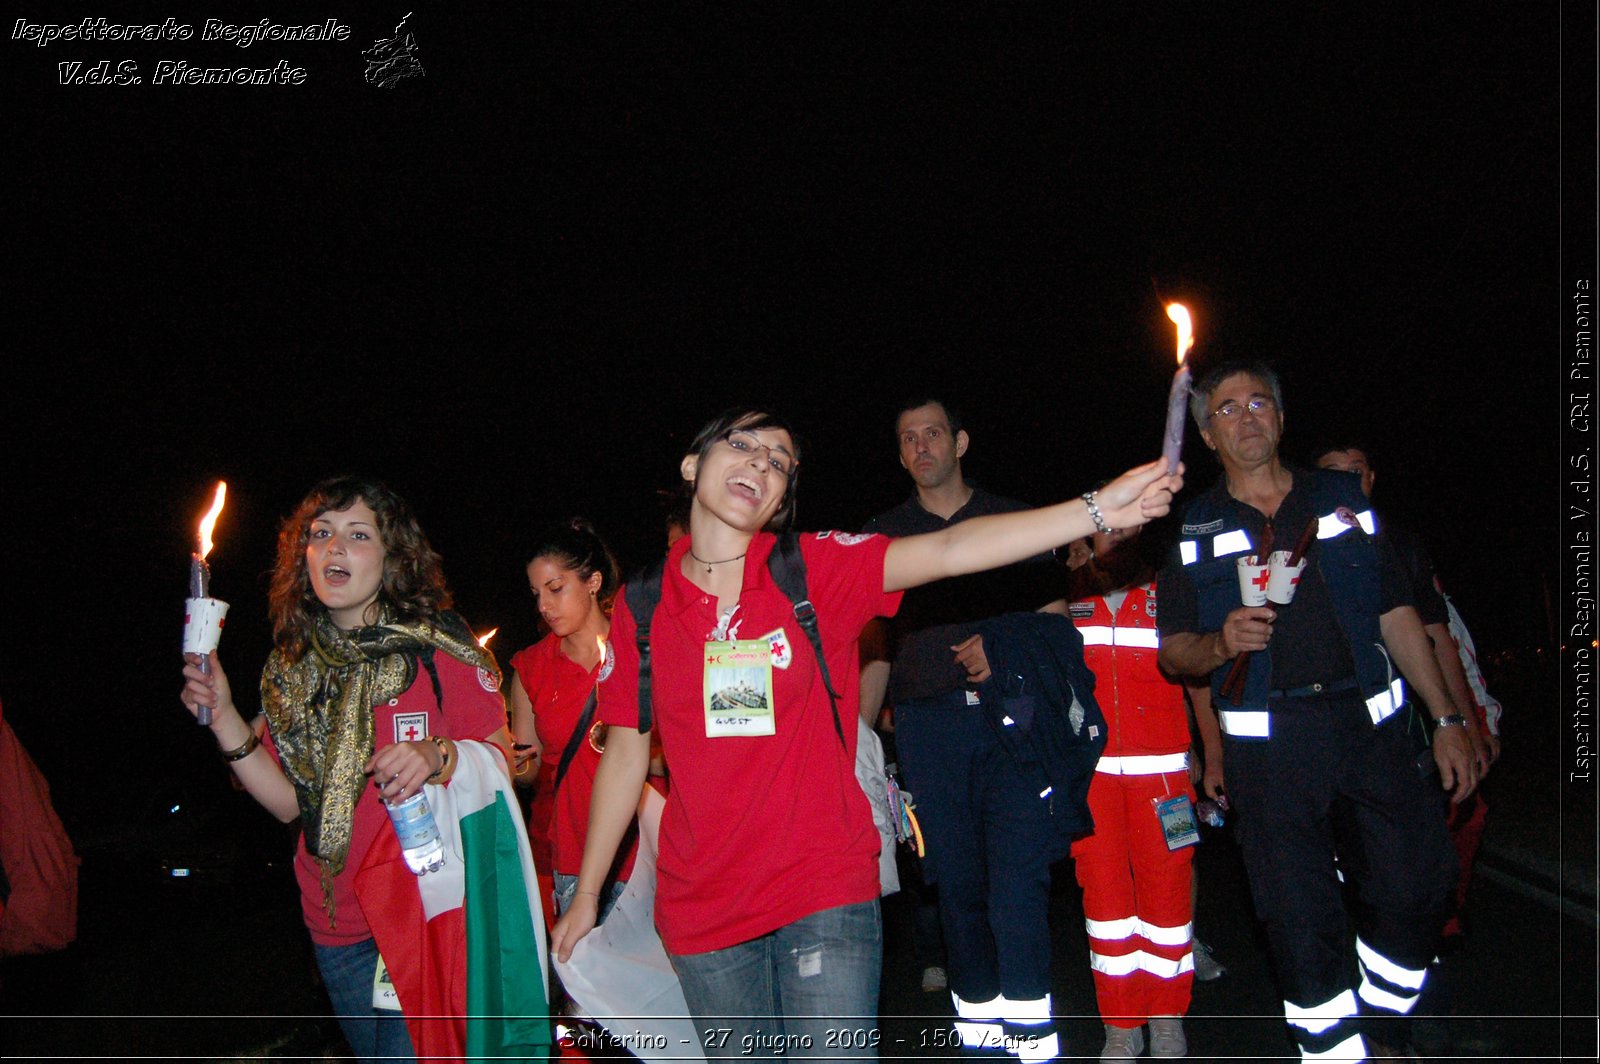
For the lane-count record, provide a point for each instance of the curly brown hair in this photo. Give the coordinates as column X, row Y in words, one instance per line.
column 413, row 578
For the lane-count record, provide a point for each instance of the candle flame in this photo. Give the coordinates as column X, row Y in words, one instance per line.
column 483, row 640
column 209, row 521
column 1180, row 316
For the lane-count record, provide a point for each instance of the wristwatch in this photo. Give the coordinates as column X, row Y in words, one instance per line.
column 1450, row 720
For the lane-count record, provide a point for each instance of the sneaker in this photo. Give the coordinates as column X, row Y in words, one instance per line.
column 933, row 979
column 1206, row 967
column 1122, row 1043
column 1166, row 1037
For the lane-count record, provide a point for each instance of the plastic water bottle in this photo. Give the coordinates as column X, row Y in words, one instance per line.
column 419, row 833
column 1209, row 812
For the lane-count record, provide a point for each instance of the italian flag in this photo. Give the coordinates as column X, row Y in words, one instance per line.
column 465, row 945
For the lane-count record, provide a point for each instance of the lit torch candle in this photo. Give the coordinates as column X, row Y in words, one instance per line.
column 1178, row 398
column 203, row 615
column 483, row 640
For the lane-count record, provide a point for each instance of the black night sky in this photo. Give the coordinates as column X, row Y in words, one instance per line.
column 515, row 286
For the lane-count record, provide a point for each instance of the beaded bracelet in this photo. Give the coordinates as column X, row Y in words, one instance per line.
column 1094, row 512
column 239, row 753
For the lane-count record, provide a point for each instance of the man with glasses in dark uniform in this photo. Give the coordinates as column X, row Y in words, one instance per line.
column 1318, row 733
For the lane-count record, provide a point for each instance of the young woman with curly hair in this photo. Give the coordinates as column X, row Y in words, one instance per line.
column 372, row 679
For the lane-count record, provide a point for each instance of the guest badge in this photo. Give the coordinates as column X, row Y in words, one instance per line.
column 738, row 688
column 1177, row 821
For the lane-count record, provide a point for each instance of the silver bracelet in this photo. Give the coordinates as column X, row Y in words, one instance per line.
column 1094, row 512
column 1450, row 720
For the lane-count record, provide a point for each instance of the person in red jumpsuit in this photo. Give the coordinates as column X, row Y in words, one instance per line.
column 1136, row 889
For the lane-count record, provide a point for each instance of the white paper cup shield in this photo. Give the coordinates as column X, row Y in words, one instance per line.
column 1252, row 581
column 1282, row 580
column 202, row 624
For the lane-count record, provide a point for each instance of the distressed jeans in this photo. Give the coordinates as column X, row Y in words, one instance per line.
column 808, row 989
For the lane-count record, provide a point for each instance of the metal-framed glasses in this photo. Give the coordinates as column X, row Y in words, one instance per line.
column 747, row 444
column 1230, row 410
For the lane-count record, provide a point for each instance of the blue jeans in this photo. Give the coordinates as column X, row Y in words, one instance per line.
column 373, row 1034
column 808, row 989
column 567, row 889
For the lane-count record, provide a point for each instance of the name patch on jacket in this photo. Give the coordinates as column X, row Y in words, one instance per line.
column 1203, row 530
column 1080, row 609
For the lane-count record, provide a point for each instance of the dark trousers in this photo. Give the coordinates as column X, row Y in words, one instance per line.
column 990, row 841
column 1328, row 783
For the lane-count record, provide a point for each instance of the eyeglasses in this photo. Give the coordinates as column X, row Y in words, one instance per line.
column 746, row 443
column 1230, row 410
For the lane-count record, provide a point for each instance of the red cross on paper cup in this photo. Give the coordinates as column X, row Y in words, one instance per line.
column 1252, row 582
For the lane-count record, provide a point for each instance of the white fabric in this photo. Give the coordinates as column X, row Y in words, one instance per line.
column 1244, row 723
column 619, row 973
column 1142, row 764
column 873, row 776
column 1383, row 704
column 1318, row 1018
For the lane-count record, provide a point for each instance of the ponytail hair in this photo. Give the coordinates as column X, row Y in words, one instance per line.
column 577, row 547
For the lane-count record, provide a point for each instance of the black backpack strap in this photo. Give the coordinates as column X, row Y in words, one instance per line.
column 642, row 593
column 585, row 719
column 788, row 568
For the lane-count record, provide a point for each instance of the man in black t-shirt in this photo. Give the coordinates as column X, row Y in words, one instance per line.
column 1316, row 735
column 985, row 816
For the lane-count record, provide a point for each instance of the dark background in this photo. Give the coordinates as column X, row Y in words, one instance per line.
column 514, row 288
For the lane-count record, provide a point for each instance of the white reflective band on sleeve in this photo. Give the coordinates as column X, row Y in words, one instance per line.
column 1142, row 764
column 1372, row 960
column 1375, row 995
column 1234, row 542
column 1036, row 1051
column 1046, row 792
column 1095, row 635
column 1139, row 960
column 1112, row 930
column 1188, row 551
column 1147, row 638
column 1006, row 720
column 1331, row 525
column 1351, row 1049
column 1245, row 723
column 1318, row 1018
column 1384, row 703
